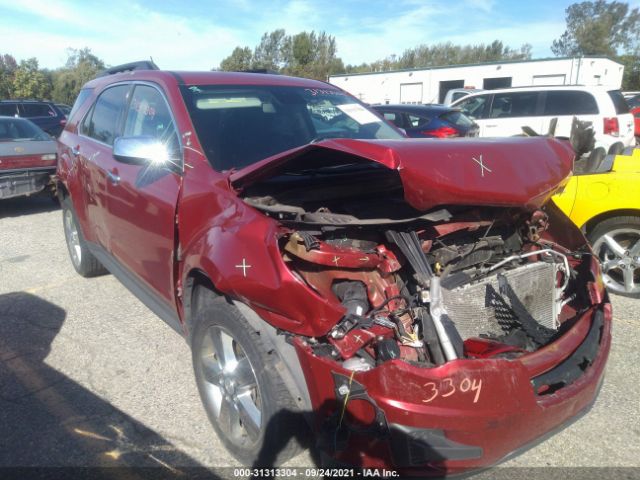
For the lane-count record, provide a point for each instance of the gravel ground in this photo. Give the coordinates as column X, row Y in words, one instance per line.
column 90, row 377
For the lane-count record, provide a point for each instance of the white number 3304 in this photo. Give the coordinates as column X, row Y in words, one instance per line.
column 448, row 388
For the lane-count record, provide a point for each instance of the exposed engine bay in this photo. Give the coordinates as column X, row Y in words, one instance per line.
column 427, row 288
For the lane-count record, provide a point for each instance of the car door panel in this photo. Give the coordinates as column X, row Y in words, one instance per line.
column 142, row 199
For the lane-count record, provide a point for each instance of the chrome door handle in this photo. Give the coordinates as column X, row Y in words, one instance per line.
column 75, row 150
column 114, row 178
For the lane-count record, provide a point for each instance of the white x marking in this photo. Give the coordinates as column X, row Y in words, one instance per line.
column 483, row 167
column 244, row 267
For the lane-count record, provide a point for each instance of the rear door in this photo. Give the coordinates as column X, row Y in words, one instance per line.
column 93, row 149
column 142, row 199
column 510, row 111
column 42, row 115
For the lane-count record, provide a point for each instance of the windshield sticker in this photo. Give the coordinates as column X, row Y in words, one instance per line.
column 325, row 111
column 359, row 113
column 320, row 91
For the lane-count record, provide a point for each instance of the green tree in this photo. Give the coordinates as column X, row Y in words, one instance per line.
column 445, row 54
column 240, row 59
column 599, row 28
column 306, row 54
column 269, row 52
column 8, row 67
column 29, row 81
column 80, row 67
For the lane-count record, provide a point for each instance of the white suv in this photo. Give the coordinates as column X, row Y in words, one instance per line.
column 501, row 113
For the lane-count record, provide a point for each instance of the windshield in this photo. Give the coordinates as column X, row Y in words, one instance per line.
column 240, row 125
column 18, row 130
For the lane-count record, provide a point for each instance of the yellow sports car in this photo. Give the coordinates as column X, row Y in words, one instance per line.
column 603, row 198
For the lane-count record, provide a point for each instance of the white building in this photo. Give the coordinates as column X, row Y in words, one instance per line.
column 430, row 85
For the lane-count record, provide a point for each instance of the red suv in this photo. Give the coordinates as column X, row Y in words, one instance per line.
column 420, row 303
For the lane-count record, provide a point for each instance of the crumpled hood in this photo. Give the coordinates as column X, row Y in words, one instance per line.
column 523, row 172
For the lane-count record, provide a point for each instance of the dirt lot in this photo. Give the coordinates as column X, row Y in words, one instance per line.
column 90, row 377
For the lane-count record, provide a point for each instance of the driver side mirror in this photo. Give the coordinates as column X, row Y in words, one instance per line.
column 148, row 151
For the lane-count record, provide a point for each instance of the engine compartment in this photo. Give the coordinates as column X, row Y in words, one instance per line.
column 425, row 287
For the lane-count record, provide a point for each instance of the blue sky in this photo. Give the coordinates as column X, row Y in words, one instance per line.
column 188, row 35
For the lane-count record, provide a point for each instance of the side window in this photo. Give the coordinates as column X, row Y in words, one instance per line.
column 474, row 106
column 394, row 118
column 416, row 121
column 149, row 116
column 563, row 102
column 457, row 96
column 37, row 110
column 103, row 121
column 80, row 99
column 514, row 104
column 8, row 109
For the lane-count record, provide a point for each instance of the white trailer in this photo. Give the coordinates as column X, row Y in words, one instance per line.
column 430, row 85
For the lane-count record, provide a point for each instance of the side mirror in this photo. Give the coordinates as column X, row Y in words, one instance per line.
column 145, row 151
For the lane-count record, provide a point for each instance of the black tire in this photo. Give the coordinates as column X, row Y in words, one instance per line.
column 616, row 242
column 81, row 258
column 281, row 422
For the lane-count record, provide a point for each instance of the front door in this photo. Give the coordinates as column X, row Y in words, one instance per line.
column 142, row 198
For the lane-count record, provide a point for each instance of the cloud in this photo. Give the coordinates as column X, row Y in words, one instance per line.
column 174, row 41
column 199, row 36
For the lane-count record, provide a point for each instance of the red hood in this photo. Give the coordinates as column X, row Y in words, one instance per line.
column 522, row 172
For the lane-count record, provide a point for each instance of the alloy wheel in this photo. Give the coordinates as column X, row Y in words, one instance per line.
column 230, row 387
column 73, row 238
column 619, row 254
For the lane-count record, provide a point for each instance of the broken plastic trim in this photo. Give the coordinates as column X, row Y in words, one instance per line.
column 289, row 213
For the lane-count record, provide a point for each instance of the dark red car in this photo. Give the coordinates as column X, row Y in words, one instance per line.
column 27, row 158
column 421, row 304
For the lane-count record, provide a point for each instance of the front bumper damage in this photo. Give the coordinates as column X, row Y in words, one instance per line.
column 463, row 415
column 17, row 183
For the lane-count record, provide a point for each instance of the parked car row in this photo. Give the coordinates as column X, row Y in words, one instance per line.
column 49, row 116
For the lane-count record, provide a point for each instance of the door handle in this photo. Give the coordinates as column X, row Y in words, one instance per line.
column 113, row 177
column 491, row 126
column 75, row 150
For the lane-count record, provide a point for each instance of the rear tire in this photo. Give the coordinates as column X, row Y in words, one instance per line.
column 616, row 242
column 246, row 400
column 81, row 258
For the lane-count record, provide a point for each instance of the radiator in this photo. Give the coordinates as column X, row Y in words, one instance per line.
column 479, row 307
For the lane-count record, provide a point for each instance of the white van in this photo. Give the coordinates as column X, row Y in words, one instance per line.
column 504, row 112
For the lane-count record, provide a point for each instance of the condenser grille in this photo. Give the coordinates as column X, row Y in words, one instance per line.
column 486, row 308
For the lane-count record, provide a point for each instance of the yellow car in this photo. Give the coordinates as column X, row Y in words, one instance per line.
column 603, row 198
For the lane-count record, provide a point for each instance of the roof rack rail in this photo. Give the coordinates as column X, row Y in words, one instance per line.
column 259, row 70
column 129, row 67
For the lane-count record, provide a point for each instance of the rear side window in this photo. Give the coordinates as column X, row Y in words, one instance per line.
column 457, row 118
column 8, row 109
column 570, row 102
column 618, row 102
column 474, row 106
column 80, row 99
column 514, row 104
column 30, row 110
column 394, row 118
column 104, row 121
column 416, row 121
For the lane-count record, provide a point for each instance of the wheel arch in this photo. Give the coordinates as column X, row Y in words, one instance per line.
column 590, row 224
column 198, row 285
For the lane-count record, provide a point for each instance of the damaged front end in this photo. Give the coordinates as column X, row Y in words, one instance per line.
column 467, row 330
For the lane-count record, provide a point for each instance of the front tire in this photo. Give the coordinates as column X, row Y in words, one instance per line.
column 616, row 242
column 82, row 259
column 245, row 398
